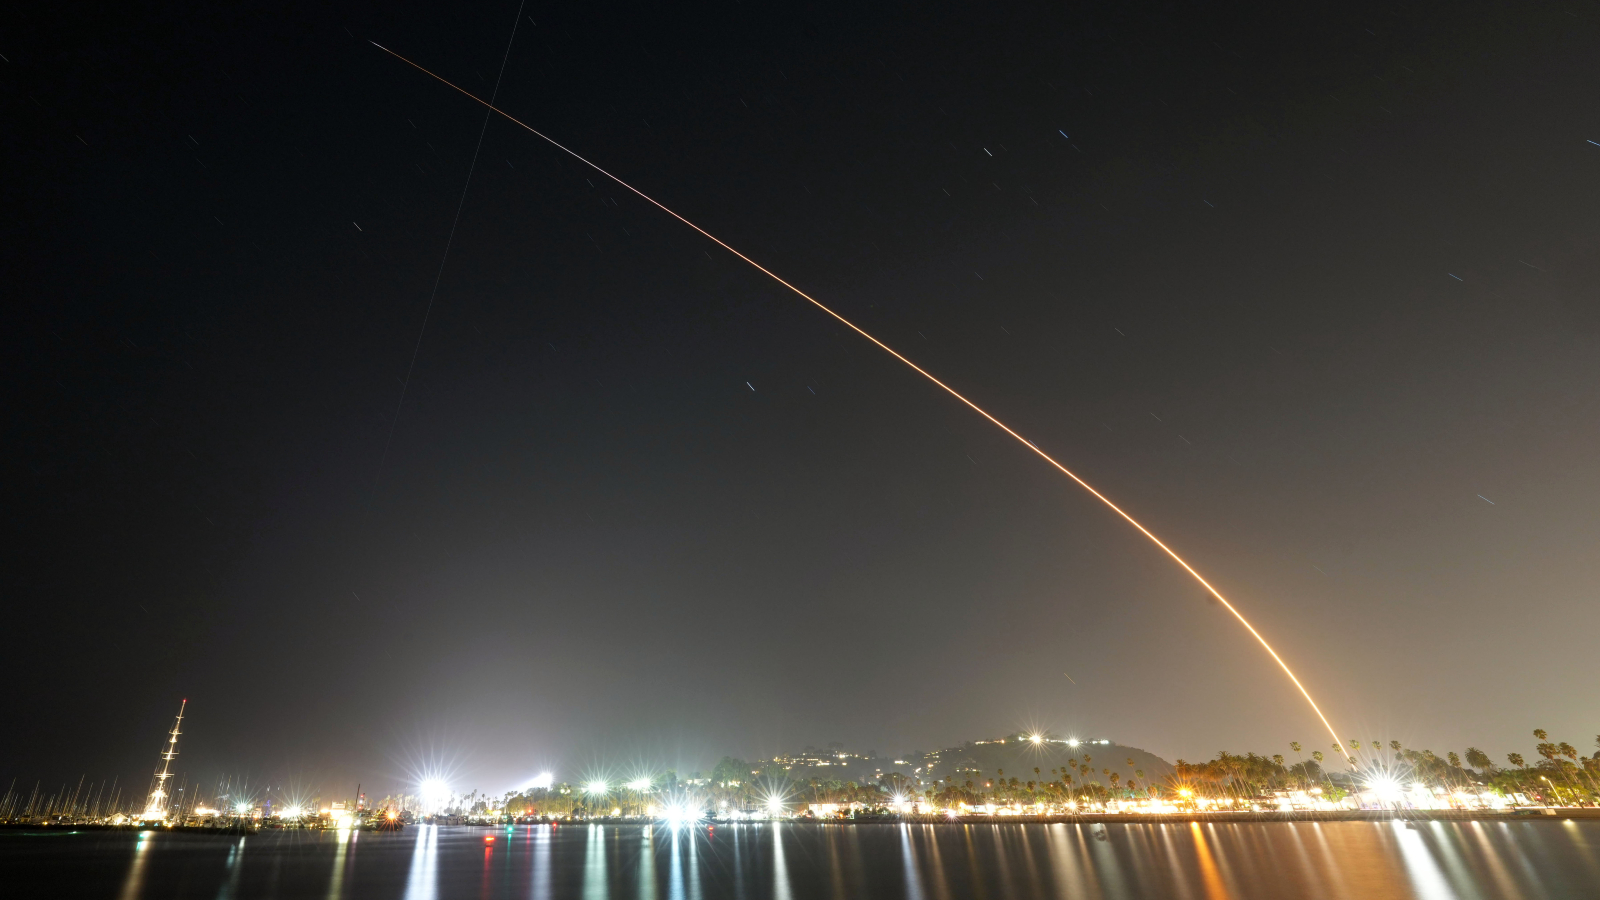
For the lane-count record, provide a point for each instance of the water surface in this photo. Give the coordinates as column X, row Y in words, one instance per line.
column 1179, row 860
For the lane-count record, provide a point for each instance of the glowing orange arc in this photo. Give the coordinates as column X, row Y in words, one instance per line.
column 921, row 371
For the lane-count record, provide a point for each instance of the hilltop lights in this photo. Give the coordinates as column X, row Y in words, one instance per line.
column 595, row 788
column 542, row 782
column 1036, row 738
column 638, row 784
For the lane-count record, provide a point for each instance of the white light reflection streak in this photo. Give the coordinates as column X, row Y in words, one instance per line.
column 1086, row 863
column 1180, row 881
column 1456, row 870
column 1424, row 873
column 1141, row 859
column 1030, row 865
column 1514, row 845
column 647, row 864
column 1067, row 868
column 1308, row 868
column 675, row 873
column 594, row 864
column 1491, row 856
column 1331, row 869
column 694, row 865
column 235, row 863
column 1002, row 861
column 908, row 858
column 941, row 878
column 542, row 839
column 134, row 883
column 336, row 880
column 1107, row 866
column 1582, row 847
column 780, row 867
column 422, row 883
column 835, row 865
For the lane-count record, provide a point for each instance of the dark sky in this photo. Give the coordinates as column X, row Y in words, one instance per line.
column 1310, row 288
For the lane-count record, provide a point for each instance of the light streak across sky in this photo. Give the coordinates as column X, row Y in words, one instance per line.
column 919, row 370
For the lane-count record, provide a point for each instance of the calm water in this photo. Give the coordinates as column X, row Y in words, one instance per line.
column 1180, row 860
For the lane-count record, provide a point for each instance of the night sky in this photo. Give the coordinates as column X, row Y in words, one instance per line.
column 1310, row 289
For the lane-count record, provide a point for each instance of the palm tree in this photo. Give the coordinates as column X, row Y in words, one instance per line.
column 1516, row 760
column 1541, row 734
column 1479, row 760
column 1316, row 755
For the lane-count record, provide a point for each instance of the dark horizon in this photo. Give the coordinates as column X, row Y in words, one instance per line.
column 1309, row 292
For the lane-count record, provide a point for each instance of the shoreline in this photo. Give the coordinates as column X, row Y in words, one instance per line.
column 1226, row 817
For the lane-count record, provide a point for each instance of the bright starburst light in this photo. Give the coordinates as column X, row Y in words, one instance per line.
column 1385, row 787
column 434, row 793
column 680, row 813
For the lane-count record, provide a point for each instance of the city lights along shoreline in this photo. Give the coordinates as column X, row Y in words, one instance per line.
column 919, row 370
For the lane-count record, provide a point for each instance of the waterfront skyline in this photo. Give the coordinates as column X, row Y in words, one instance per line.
column 1309, row 293
column 1052, row 777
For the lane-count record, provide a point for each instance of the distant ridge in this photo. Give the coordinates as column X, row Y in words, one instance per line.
column 1020, row 754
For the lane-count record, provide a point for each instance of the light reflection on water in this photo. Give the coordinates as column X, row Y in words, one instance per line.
column 341, row 839
column 1489, row 860
column 423, row 882
column 133, row 885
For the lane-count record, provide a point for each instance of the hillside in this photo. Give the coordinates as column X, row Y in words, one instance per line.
column 1019, row 755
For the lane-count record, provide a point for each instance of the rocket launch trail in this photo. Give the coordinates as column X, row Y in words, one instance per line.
column 919, row 370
